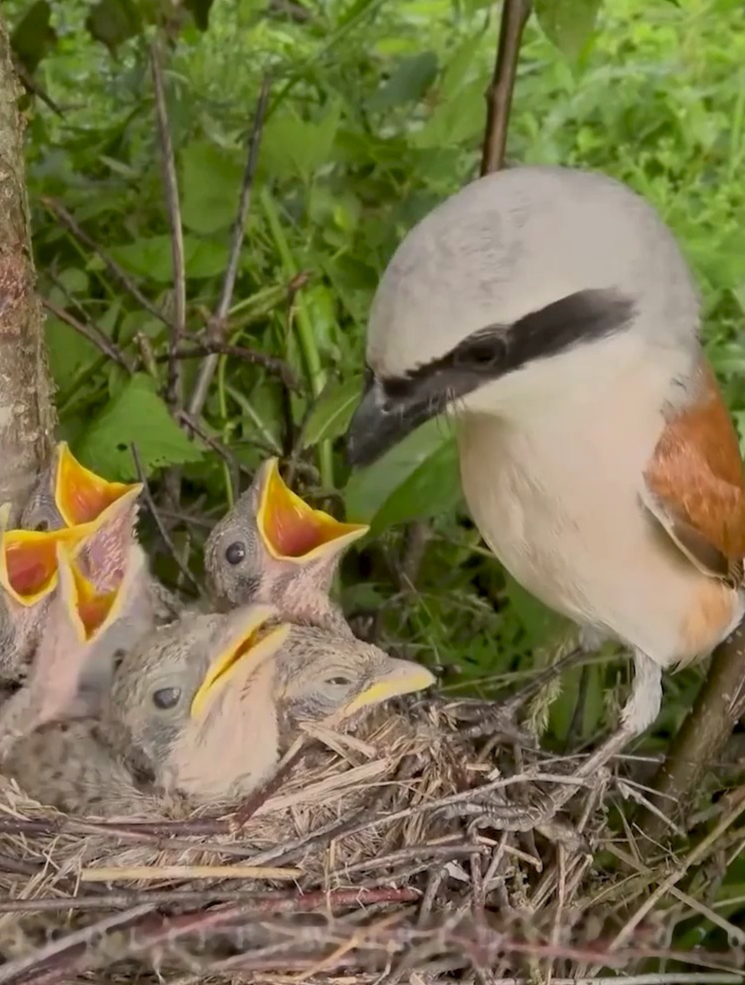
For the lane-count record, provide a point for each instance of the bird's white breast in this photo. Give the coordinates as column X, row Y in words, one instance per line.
column 556, row 497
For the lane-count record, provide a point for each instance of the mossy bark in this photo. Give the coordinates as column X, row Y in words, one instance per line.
column 27, row 416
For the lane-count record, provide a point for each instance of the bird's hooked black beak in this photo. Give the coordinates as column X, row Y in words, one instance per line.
column 388, row 413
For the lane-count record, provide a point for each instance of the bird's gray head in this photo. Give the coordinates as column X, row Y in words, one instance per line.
column 320, row 675
column 273, row 548
column 521, row 274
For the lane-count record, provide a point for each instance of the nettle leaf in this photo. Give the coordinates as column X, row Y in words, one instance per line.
column 210, row 185
column 151, row 257
column 112, row 22
column 417, row 478
column 332, row 412
column 68, row 351
column 200, row 11
column 407, row 84
column 293, row 146
column 454, row 120
column 136, row 416
column 34, row 37
column 569, row 24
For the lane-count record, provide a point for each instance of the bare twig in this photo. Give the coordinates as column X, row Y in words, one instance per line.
column 203, row 347
column 162, row 530
column 94, row 335
column 119, row 275
column 216, row 326
column 173, row 393
column 499, row 95
column 699, row 743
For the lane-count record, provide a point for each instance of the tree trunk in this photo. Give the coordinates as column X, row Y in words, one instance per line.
column 27, row 417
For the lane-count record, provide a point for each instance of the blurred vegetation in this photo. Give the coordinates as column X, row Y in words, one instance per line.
column 376, row 112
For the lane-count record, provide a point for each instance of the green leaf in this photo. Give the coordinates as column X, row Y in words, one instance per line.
column 407, row 84
column 373, row 490
column 293, row 146
column 69, row 352
column 539, row 622
column 332, row 412
column 455, row 120
column 151, row 257
column 569, row 24
column 136, row 416
column 211, row 180
column 431, row 489
column 200, row 11
column 34, row 37
column 112, row 22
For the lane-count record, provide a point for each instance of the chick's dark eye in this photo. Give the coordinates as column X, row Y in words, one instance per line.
column 338, row 680
column 42, row 525
column 235, row 552
column 166, row 697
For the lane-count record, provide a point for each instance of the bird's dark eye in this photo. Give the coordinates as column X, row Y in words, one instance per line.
column 338, row 680
column 117, row 658
column 235, row 552
column 42, row 525
column 166, row 697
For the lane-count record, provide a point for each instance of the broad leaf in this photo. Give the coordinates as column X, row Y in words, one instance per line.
column 332, row 412
column 407, row 84
column 151, row 257
column 374, row 489
column 200, row 11
column 112, row 22
column 137, row 415
column 293, row 146
column 456, row 119
column 540, row 623
column 568, row 23
column 34, row 36
column 211, row 180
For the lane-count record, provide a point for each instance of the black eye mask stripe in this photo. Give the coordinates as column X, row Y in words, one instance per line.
column 494, row 350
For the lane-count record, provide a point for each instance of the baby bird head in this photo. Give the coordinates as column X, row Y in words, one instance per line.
column 68, row 494
column 187, row 703
column 274, row 548
column 320, row 676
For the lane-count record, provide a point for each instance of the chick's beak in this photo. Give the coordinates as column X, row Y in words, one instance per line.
column 403, row 677
column 91, row 612
column 80, row 495
column 293, row 531
column 28, row 561
column 249, row 645
column 382, row 419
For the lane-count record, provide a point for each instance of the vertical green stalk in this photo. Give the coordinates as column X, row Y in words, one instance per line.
column 304, row 325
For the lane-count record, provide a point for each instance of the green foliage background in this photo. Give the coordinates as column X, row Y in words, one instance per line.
column 376, row 113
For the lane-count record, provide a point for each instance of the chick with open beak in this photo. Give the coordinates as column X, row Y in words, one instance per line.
column 68, row 494
column 203, row 709
column 272, row 547
column 29, row 576
column 76, row 617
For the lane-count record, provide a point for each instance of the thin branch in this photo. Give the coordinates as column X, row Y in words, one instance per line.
column 216, row 326
column 203, row 347
column 174, row 396
column 499, row 95
column 704, row 734
column 119, row 275
column 162, row 530
column 216, row 445
column 94, row 335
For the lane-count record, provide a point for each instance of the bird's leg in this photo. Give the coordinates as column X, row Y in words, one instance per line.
column 640, row 711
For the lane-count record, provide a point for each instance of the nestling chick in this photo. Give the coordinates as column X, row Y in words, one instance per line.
column 68, row 494
column 272, row 547
column 76, row 617
column 28, row 577
column 108, row 556
column 202, row 708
